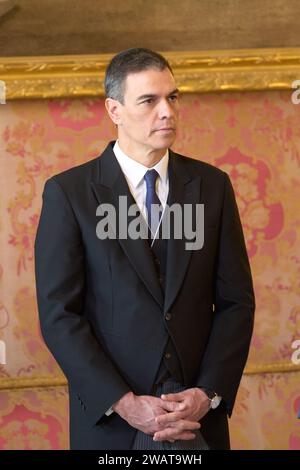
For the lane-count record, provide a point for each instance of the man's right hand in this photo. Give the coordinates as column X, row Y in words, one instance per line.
column 140, row 412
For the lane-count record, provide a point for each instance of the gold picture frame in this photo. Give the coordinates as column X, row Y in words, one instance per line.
column 60, row 381
column 195, row 72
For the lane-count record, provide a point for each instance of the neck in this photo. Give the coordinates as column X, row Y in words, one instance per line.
column 148, row 158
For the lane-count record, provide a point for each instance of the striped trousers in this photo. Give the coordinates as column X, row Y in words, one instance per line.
column 145, row 442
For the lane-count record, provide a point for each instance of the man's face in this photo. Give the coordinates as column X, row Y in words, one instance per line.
column 147, row 119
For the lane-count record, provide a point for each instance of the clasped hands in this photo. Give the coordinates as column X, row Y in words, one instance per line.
column 171, row 417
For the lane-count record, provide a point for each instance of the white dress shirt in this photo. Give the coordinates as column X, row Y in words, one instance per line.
column 134, row 173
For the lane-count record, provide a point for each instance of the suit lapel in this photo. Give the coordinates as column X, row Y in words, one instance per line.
column 110, row 184
column 183, row 189
column 108, row 187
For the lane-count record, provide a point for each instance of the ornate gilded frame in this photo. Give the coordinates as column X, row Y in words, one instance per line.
column 195, row 72
column 60, row 381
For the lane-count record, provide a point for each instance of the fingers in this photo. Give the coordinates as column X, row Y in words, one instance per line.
column 176, row 429
column 172, row 406
column 184, row 436
column 173, row 396
column 170, row 417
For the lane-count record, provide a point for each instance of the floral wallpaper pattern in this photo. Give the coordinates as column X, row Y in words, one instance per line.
column 255, row 138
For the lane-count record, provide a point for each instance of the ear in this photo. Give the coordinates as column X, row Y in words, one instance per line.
column 113, row 107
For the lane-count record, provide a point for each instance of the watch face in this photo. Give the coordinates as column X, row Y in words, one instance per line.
column 215, row 402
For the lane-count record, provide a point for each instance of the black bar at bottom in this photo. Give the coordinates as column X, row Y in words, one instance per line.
column 132, row 459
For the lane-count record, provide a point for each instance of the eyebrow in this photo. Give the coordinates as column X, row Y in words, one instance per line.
column 149, row 95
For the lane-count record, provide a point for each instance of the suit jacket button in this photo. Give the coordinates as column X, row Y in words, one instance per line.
column 168, row 316
column 167, row 355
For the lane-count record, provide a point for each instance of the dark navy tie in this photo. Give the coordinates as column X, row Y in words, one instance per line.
column 153, row 204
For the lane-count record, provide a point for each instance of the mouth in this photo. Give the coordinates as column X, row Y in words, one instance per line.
column 166, row 129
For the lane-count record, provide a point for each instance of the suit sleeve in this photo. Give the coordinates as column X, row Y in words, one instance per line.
column 228, row 346
column 60, row 284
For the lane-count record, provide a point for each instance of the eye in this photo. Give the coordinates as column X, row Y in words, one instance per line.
column 149, row 101
column 173, row 97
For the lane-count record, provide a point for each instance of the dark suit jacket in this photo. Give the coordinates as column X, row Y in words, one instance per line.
column 102, row 311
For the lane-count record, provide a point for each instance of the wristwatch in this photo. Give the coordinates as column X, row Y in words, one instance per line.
column 109, row 411
column 213, row 397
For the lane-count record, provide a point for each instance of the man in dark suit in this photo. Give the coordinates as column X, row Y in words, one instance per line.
column 151, row 333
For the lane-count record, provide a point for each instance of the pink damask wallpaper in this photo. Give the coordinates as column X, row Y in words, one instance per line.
column 255, row 137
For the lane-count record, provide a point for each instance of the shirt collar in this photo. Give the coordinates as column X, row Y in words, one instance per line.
column 135, row 171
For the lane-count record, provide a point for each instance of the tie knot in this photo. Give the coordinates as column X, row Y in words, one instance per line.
column 150, row 178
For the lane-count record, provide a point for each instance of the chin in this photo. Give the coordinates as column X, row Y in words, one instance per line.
column 165, row 143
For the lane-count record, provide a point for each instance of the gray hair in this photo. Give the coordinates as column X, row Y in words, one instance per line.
column 130, row 61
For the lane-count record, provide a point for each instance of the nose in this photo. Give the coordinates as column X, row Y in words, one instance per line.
column 165, row 110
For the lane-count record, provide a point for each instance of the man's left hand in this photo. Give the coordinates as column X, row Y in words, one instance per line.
column 195, row 405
